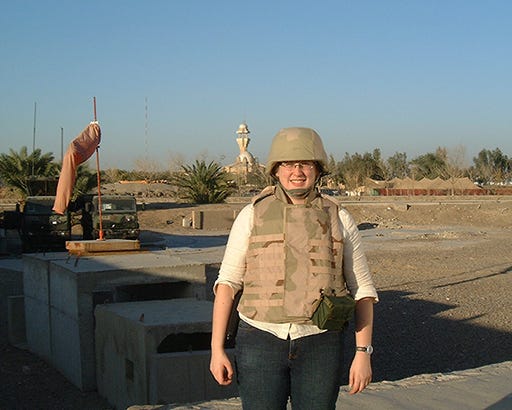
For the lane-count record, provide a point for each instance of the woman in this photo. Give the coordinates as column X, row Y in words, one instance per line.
column 284, row 249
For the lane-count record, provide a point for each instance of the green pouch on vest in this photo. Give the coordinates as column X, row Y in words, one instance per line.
column 334, row 312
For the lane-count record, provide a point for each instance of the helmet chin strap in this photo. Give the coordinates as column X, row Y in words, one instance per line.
column 299, row 193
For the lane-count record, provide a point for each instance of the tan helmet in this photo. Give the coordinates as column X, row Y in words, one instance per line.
column 297, row 144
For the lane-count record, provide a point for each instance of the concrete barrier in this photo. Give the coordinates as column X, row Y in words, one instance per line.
column 11, row 278
column 215, row 219
column 155, row 352
column 36, row 291
column 61, row 293
column 184, row 377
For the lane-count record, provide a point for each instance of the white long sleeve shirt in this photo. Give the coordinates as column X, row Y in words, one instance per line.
column 356, row 272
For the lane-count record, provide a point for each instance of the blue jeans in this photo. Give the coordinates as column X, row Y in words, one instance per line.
column 269, row 370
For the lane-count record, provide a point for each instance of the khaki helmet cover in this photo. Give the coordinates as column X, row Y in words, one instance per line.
column 296, row 144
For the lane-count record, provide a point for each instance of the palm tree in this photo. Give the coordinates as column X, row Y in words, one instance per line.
column 202, row 184
column 18, row 169
column 86, row 180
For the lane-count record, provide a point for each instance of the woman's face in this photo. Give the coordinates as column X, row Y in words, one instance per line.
column 297, row 174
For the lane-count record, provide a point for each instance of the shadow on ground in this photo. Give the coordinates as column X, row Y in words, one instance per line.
column 410, row 336
column 409, row 339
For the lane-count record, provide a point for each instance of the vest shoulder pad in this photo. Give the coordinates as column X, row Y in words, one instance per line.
column 331, row 200
column 266, row 192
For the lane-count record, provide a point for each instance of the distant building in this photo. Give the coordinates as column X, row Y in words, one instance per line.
column 245, row 163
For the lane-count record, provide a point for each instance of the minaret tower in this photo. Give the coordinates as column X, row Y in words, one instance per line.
column 244, row 161
column 245, row 158
column 243, row 141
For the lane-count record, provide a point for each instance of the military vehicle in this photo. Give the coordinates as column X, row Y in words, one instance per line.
column 40, row 228
column 118, row 215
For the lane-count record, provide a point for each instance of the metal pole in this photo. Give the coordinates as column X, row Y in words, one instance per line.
column 34, row 137
column 94, row 107
column 61, row 145
column 100, row 206
column 98, row 176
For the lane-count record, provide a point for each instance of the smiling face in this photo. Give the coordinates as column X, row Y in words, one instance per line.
column 297, row 175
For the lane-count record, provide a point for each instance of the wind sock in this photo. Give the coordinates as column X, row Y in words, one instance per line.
column 79, row 150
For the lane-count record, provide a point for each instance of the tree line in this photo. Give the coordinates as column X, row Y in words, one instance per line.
column 204, row 182
column 488, row 167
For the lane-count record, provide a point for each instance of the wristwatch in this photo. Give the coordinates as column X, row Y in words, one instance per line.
column 367, row 349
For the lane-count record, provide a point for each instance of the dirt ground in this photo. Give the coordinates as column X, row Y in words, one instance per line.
column 443, row 269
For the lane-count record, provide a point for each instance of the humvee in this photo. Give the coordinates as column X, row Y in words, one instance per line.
column 119, row 217
column 40, row 227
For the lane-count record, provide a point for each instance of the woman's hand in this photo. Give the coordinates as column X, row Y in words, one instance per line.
column 360, row 373
column 221, row 368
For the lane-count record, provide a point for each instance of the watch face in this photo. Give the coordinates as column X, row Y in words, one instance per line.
column 368, row 349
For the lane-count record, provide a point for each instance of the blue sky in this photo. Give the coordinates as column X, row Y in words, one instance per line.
column 403, row 76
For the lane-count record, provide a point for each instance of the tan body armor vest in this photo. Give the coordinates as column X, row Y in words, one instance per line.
column 295, row 252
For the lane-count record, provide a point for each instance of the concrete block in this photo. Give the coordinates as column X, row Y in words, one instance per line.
column 36, row 267
column 130, row 338
column 37, row 327
column 73, row 350
column 36, row 290
column 215, row 219
column 16, row 320
column 64, row 290
column 11, row 279
column 184, row 377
